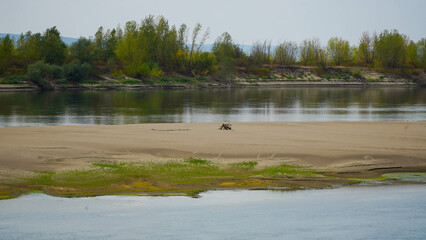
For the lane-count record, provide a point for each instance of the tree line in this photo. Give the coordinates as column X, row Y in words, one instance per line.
column 154, row 48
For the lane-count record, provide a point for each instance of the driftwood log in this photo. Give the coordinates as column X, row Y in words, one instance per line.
column 225, row 126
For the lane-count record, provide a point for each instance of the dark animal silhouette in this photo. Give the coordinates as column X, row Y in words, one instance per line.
column 226, row 126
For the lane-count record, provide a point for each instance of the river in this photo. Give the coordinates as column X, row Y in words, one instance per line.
column 385, row 212
column 381, row 212
column 212, row 105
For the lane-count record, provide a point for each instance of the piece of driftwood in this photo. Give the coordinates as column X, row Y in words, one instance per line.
column 170, row 130
column 225, row 126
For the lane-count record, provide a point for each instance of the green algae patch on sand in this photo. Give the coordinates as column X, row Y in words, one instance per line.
column 188, row 176
column 286, row 170
column 378, row 179
column 368, row 181
column 6, row 194
column 407, row 176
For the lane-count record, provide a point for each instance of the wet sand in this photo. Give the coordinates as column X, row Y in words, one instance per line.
column 343, row 148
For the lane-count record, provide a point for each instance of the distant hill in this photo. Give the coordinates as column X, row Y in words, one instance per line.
column 67, row 40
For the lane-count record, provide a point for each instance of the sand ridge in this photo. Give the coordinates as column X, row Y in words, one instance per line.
column 336, row 146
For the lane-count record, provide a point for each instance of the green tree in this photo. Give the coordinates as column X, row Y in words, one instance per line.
column 413, row 54
column 110, row 44
column 196, row 47
column 29, row 47
column 285, row 53
column 76, row 72
column 99, row 44
column 44, row 74
column 261, row 53
column 166, row 44
column 7, row 49
column 127, row 48
column 83, row 50
column 53, row 48
column 224, row 47
column 421, row 46
column 147, row 41
column 391, row 49
column 310, row 52
column 226, row 52
column 204, row 63
column 339, row 51
column 364, row 53
column 182, row 57
column 105, row 44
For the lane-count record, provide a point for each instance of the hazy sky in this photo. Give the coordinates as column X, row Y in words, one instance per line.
column 247, row 21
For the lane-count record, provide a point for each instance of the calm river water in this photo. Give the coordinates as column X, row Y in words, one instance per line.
column 385, row 212
column 212, row 105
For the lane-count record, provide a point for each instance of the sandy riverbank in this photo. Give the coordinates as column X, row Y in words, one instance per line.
column 339, row 147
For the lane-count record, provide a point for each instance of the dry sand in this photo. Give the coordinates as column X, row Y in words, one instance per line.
column 339, row 147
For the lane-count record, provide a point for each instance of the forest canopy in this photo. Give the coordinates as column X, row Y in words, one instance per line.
column 153, row 48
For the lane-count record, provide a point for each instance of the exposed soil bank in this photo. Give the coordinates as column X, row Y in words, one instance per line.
column 277, row 76
column 240, row 84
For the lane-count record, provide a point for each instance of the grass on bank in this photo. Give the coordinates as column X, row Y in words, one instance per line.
column 187, row 176
column 188, row 171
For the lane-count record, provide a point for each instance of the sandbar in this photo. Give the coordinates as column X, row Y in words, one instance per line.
column 345, row 148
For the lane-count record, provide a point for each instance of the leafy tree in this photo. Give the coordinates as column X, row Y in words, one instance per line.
column 76, row 71
column 391, row 49
column 155, row 43
column 285, row 53
column 111, row 39
column 421, row 46
column 226, row 52
column 99, row 43
column 167, row 45
column 261, row 53
column 204, row 63
column 181, row 54
column 196, row 48
column 182, row 37
column 154, row 46
column 339, row 50
column 105, row 43
column 412, row 54
column 7, row 49
column 310, row 51
column 127, row 48
column 83, row 50
column 53, row 48
column 29, row 47
column 147, row 39
column 322, row 59
column 224, row 47
column 365, row 51
column 44, row 74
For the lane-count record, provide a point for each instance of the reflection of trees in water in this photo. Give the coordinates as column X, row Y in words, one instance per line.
column 214, row 101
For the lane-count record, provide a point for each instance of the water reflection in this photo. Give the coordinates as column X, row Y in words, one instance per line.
column 212, row 105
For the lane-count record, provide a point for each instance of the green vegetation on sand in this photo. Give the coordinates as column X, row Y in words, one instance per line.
column 159, row 178
column 184, row 177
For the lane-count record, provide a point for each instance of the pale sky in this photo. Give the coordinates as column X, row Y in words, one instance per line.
column 246, row 20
